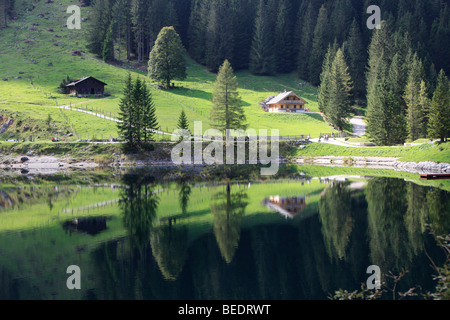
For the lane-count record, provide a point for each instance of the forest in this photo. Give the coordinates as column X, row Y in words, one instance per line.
column 270, row 37
column 273, row 36
column 392, row 73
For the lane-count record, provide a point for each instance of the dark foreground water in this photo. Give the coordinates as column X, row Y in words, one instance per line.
column 135, row 237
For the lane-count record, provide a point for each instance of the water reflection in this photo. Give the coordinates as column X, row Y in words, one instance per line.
column 177, row 240
column 335, row 212
column 139, row 203
column 228, row 209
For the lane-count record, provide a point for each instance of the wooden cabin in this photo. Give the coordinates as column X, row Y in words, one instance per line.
column 287, row 101
column 289, row 207
column 87, row 86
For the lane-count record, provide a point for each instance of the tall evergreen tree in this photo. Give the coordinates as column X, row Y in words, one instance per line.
column 439, row 121
column 262, row 55
column 227, row 112
column 219, row 35
column 325, row 78
column 197, row 30
column 125, row 125
column 108, row 45
column 139, row 18
column 183, row 123
column 306, row 39
column 425, row 103
column 413, row 98
column 101, row 22
column 340, row 99
column 284, row 36
column 167, row 58
column 397, row 126
column 319, row 46
column 357, row 58
column 149, row 121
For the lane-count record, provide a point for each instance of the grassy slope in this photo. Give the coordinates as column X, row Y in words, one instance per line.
column 426, row 152
column 34, row 96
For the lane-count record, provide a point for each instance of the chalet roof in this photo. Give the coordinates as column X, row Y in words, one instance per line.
column 283, row 96
column 83, row 79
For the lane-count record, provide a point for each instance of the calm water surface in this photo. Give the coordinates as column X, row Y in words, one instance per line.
column 136, row 237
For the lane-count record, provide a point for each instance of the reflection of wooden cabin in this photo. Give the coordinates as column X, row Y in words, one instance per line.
column 87, row 86
column 285, row 102
column 90, row 226
column 289, row 207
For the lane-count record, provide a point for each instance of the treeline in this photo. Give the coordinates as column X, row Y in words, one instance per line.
column 132, row 26
column 274, row 36
column 6, row 11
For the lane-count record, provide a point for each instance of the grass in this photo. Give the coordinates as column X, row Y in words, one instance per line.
column 35, row 94
column 426, row 152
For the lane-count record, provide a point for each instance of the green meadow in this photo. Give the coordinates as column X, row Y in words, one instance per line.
column 31, row 43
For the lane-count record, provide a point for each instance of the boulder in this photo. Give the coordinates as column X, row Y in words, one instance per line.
column 24, row 159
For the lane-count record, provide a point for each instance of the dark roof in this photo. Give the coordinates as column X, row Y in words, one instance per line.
column 84, row 79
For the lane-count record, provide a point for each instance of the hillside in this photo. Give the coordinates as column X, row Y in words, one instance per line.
column 36, row 52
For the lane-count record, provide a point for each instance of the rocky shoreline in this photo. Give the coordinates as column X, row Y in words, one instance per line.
column 376, row 163
column 51, row 164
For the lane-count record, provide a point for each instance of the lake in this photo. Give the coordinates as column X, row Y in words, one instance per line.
column 164, row 234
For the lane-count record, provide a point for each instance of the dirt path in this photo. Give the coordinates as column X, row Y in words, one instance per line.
column 102, row 116
column 359, row 126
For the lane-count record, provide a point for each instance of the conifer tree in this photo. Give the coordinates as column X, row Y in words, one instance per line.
column 306, row 39
column 148, row 115
column 413, row 98
column 340, row 87
column 319, row 46
column 284, row 35
column 325, row 77
column 219, row 36
column 167, row 59
column 356, row 57
column 108, row 46
column 262, row 56
column 183, row 123
column 125, row 125
column 227, row 112
column 439, row 120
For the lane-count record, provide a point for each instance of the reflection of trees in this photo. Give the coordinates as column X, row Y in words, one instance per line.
column 337, row 222
column 139, row 204
column 184, row 195
column 169, row 246
column 438, row 209
column 415, row 217
column 228, row 210
column 389, row 241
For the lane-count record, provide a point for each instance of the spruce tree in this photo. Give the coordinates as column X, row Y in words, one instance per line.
column 284, row 35
column 306, row 39
column 197, row 30
column 167, row 59
column 396, row 108
column 183, row 123
column 357, row 58
column 108, row 46
column 325, row 77
column 227, row 112
column 319, row 46
column 137, row 111
column 425, row 103
column 413, row 98
column 148, row 114
column 340, row 98
column 219, row 36
column 439, row 120
column 262, row 55
column 125, row 125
